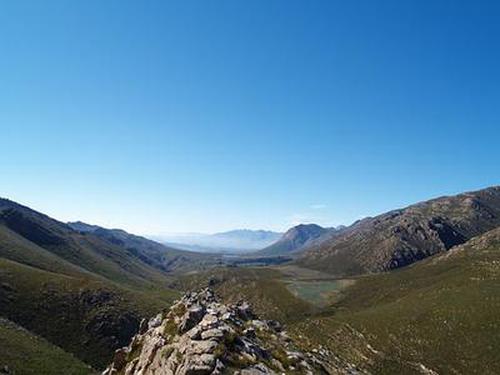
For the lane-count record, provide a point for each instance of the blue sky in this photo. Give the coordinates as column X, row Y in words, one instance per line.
column 203, row 116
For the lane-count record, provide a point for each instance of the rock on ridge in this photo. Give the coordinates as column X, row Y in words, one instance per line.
column 200, row 335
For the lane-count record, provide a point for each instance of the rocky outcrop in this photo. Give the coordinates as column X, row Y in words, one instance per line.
column 200, row 335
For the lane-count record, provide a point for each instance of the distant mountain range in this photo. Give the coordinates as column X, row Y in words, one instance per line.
column 234, row 241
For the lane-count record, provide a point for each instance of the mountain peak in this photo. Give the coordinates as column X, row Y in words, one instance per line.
column 306, row 228
column 83, row 227
column 295, row 239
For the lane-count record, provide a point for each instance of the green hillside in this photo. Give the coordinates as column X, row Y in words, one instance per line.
column 101, row 316
column 30, row 231
column 78, row 291
column 21, row 352
column 442, row 312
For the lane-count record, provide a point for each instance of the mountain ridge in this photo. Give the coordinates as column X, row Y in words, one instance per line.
column 404, row 236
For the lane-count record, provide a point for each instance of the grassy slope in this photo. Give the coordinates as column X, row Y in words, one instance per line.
column 86, row 252
column 29, row 232
column 25, row 353
column 86, row 317
column 82, row 293
column 442, row 312
column 17, row 248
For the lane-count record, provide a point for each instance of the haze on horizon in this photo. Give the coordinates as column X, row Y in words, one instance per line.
column 209, row 116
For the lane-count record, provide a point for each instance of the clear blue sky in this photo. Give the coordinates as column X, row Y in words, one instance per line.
column 159, row 116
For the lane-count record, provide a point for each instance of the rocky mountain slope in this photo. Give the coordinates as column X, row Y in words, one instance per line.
column 295, row 239
column 200, row 335
column 401, row 237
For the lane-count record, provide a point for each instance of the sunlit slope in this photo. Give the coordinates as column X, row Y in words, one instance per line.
column 442, row 312
column 402, row 237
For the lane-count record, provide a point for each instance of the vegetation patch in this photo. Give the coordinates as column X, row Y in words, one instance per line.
column 170, row 328
column 317, row 292
column 21, row 352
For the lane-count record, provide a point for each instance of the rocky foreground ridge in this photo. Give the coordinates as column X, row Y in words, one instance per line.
column 200, row 335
